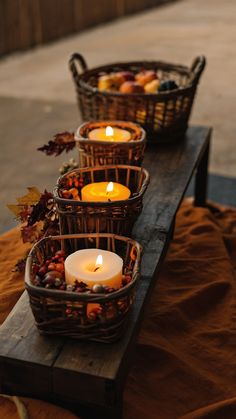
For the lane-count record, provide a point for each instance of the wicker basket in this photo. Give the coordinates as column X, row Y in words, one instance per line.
column 109, row 216
column 64, row 313
column 164, row 115
column 100, row 153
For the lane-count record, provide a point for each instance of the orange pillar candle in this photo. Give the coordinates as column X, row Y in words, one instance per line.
column 104, row 191
column 109, row 134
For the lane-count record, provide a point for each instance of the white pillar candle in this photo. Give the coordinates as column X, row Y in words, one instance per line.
column 81, row 266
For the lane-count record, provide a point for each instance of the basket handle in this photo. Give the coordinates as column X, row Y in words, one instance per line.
column 74, row 59
column 197, row 68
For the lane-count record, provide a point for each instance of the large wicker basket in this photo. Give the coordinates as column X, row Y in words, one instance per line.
column 100, row 153
column 64, row 313
column 164, row 115
column 109, row 216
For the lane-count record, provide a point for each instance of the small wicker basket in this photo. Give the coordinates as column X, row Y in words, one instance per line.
column 64, row 313
column 163, row 115
column 76, row 216
column 100, row 153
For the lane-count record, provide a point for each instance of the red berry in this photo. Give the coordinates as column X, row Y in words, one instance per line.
column 60, row 253
column 42, row 271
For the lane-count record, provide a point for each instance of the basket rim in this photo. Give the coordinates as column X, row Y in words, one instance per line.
column 81, row 203
column 174, row 67
column 77, row 295
column 81, row 139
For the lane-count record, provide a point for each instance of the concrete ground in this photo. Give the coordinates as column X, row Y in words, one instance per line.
column 37, row 97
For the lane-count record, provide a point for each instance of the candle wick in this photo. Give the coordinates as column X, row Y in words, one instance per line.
column 97, row 267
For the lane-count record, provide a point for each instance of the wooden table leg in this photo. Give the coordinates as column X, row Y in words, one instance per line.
column 200, row 190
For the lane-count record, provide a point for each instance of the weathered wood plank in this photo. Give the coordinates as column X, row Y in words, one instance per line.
column 26, row 356
column 171, row 169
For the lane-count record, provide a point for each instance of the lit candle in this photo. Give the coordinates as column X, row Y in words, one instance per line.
column 109, row 134
column 94, row 267
column 104, row 191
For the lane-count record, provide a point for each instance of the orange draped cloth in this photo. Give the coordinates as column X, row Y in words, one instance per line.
column 185, row 363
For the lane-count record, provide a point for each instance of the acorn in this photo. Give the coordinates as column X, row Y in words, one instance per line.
column 53, row 275
column 98, row 289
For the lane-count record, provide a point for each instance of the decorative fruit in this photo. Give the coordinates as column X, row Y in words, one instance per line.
column 124, row 76
column 53, row 275
column 152, row 86
column 145, row 77
column 131, row 87
column 168, row 85
column 105, row 82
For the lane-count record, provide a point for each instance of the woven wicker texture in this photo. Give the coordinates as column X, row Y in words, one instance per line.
column 51, row 307
column 111, row 216
column 100, row 153
column 164, row 115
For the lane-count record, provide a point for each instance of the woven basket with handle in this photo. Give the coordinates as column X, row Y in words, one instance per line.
column 164, row 115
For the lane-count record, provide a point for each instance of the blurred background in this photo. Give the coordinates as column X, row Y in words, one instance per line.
column 37, row 95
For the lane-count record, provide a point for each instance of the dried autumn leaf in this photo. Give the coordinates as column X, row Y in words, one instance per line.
column 20, row 265
column 24, row 213
column 31, row 198
column 29, row 234
column 64, row 137
column 42, row 208
column 62, row 142
column 16, row 209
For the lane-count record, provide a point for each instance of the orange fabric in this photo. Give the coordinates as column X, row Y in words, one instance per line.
column 186, row 359
column 11, row 283
column 184, row 365
column 36, row 409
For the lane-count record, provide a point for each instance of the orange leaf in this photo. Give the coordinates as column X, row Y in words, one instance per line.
column 31, row 198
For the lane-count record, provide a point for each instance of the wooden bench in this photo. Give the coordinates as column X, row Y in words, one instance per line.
column 90, row 377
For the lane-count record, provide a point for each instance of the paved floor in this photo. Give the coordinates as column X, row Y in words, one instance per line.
column 37, row 97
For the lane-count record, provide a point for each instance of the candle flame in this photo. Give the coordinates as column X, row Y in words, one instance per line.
column 110, row 187
column 109, row 131
column 99, row 262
